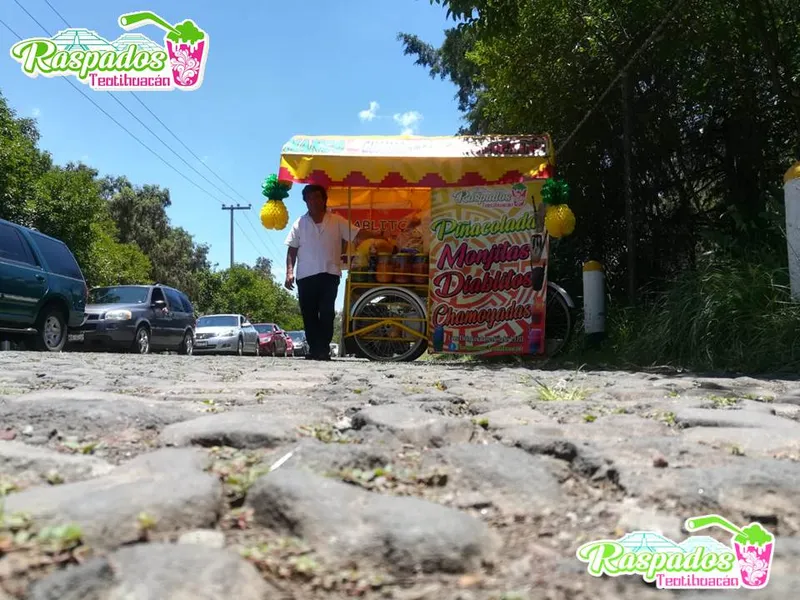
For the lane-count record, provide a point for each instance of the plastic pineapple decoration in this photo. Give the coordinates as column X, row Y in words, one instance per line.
column 274, row 214
column 559, row 220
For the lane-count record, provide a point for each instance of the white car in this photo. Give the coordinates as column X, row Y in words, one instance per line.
column 225, row 333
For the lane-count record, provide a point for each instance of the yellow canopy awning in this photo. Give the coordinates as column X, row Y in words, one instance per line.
column 414, row 161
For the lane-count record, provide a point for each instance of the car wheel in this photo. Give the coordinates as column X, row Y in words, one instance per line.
column 52, row 330
column 240, row 347
column 187, row 345
column 141, row 341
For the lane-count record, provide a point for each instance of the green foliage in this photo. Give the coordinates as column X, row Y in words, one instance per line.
column 247, row 290
column 21, row 164
column 716, row 117
column 716, row 122
column 728, row 314
column 120, row 233
column 274, row 189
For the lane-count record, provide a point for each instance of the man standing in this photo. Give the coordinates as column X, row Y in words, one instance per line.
column 315, row 244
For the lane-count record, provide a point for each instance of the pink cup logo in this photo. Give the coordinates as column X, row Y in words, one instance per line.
column 186, row 44
column 519, row 192
column 753, row 546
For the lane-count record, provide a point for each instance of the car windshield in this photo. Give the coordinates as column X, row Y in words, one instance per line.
column 265, row 328
column 297, row 336
column 218, row 321
column 118, row 295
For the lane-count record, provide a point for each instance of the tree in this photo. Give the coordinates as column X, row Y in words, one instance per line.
column 264, row 266
column 714, row 98
column 141, row 218
column 21, row 164
column 246, row 290
column 120, row 233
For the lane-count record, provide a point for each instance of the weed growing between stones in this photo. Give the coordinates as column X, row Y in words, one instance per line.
column 736, row 450
column 484, row 422
column 399, row 481
column 289, row 561
column 668, row 418
column 6, row 487
column 53, row 477
column 211, row 407
column 75, row 446
column 261, row 394
column 560, row 392
column 722, row 402
column 28, row 552
column 145, row 523
column 757, row 398
column 238, row 470
column 325, row 433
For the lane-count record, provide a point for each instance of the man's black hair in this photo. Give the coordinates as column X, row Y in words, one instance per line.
column 313, row 187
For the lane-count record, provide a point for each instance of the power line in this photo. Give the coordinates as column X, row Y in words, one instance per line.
column 650, row 38
column 180, row 141
column 57, row 13
column 14, row 33
column 120, row 125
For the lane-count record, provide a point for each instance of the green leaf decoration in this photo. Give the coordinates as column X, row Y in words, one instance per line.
column 754, row 535
column 555, row 192
column 274, row 189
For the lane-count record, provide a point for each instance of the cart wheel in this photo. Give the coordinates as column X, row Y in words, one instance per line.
column 557, row 322
column 399, row 305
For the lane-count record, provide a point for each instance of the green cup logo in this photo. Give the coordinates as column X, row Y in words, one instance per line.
column 699, row 562
column 132, row 62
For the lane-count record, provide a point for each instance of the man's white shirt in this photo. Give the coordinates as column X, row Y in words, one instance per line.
column 319, row 245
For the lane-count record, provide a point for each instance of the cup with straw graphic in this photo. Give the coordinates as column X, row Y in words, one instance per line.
column 187, row 46
column 753, row 546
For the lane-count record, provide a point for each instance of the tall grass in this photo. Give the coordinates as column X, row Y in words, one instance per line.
column 725, row 315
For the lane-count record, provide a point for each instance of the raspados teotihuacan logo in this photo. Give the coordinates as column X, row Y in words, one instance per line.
column 699, row 562
column 131, row 62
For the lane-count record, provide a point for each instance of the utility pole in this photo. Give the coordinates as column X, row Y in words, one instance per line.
column 232, row 208
column 627, row 130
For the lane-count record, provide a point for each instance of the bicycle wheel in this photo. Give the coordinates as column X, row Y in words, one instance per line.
column 389, row 342
column 558, row 322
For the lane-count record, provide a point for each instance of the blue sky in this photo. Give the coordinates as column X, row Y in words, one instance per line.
column 274, row 70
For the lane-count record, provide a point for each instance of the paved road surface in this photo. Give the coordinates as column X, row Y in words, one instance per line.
column 413, row 481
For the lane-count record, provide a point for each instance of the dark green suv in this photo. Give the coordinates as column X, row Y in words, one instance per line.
column 42, row 290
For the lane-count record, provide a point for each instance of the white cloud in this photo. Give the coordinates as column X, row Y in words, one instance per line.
column 369, row 113
column 409, row 121
column 35, row 112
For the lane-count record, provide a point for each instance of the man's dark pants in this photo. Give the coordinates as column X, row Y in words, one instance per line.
column 317, row 297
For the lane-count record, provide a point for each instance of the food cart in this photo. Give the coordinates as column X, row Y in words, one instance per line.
column 462, row 263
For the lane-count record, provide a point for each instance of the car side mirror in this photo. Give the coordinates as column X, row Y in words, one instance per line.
column 246, row 324
column 159, row 303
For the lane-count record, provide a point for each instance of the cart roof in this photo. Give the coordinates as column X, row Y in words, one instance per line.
column 415, row 161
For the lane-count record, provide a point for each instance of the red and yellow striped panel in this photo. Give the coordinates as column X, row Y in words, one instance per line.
column 415, row 162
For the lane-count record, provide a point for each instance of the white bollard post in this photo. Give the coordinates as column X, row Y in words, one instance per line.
column 594, row 302
column 791, row 194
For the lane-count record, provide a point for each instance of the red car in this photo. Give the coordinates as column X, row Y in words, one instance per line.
column 271, row 340
column 289, row 343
